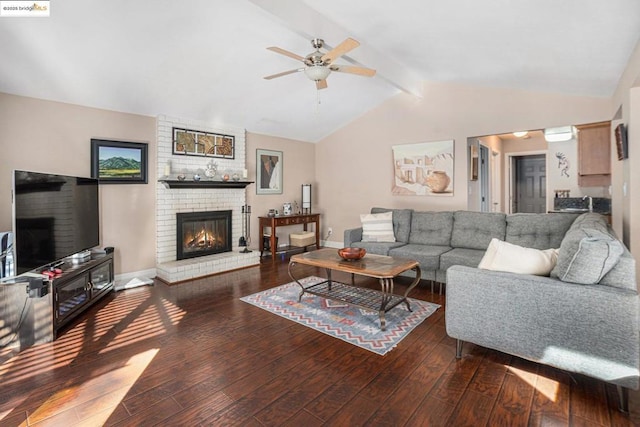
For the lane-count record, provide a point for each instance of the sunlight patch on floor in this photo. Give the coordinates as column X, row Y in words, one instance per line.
column 152, row 321
column 546, row 386
column 138, row 318
column 119, row 380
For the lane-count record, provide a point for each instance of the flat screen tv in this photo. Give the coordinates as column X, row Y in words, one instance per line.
column 54, row 216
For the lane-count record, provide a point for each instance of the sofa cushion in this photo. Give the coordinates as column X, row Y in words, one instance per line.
column 538, row 230
column 504, row 256
column 427, row 255
column 587, row 255
column 401, row 222
column 377, row 227
column 379, row 248
column 431, row 228
column 623, row 274
column 461, row 256
column 474, row 230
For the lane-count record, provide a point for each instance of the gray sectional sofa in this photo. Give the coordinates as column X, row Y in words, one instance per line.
column 439, row 240
column 583, row 317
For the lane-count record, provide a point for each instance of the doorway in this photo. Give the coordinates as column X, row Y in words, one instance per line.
column 529, row 184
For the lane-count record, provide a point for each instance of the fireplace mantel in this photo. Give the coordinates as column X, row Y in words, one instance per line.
column 170, row 183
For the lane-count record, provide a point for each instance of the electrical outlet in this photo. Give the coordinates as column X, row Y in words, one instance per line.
column 329, row 231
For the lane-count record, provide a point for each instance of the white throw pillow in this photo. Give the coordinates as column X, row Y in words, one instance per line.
column 503, row 256
column 377, row 227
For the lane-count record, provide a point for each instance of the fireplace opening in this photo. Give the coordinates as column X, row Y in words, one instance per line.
column 203, row 233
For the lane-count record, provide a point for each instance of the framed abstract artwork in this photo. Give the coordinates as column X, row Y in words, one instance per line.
column 203, row 144
column 268, row 172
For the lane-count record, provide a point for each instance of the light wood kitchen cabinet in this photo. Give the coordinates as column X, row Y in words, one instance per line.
column 594, row 154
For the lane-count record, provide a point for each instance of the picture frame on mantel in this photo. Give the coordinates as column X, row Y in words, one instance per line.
column 268, row 172
column 119, row 162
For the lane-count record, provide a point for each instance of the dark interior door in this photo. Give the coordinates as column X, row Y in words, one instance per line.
column 531, row 184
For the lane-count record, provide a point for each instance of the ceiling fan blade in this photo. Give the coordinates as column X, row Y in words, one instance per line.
column 341, row 49
column 284, row 73
column 321, row 84
column 285, row 53
column 361, row 71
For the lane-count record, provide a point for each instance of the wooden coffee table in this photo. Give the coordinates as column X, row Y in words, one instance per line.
column 383, row 268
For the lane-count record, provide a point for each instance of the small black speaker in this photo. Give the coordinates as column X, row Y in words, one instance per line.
column 108, row 250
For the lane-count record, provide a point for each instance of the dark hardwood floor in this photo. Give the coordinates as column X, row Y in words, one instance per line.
column 194, row 354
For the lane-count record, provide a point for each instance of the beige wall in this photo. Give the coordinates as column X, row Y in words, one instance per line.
column 299, row 168
column 53, row 137
column 354, row 166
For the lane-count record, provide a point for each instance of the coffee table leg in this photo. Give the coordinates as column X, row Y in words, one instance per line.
column 386, row 285
column 291, row 264
column 328, row 270
column 413, row 285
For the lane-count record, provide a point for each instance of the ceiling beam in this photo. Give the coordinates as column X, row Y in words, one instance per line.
column 309, row 23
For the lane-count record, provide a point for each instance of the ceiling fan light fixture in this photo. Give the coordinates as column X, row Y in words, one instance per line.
column 317, row 72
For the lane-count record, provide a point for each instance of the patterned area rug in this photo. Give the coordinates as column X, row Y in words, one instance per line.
column 351, row 324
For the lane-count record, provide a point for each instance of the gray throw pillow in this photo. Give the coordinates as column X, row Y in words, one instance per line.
column 586, row 255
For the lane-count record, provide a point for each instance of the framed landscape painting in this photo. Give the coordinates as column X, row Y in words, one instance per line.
column 119, row 162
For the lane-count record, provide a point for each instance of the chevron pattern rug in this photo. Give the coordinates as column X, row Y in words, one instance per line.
column 351, row 324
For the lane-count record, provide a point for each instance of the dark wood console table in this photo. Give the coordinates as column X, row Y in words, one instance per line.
column 285, row 220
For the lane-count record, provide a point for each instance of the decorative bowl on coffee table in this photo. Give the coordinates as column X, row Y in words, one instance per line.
column 351, row 254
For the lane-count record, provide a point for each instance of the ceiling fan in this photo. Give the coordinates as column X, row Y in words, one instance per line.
column 319, row 65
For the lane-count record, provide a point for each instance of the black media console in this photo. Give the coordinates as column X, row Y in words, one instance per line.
column 79, row 287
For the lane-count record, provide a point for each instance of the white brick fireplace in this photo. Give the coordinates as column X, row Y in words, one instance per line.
column 170, row 201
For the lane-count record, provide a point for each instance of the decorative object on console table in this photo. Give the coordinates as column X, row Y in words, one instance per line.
column 268, row 172
column 286, row 209
column 306, row 198
column 119, row 162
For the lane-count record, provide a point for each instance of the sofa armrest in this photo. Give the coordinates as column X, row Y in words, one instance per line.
column 352, row 235
column 589, row 329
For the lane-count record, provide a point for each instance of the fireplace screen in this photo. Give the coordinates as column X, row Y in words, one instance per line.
column 203, row 233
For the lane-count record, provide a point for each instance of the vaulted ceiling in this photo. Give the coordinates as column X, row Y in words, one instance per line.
column 206, row 59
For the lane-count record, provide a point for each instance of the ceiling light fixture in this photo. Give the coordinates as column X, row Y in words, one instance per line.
column 559, row 134
column 317, row 72
column 520, row 134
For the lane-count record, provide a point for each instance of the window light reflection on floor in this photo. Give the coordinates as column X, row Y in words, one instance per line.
column 546, row 386
column 142, row 317
column 114, row 383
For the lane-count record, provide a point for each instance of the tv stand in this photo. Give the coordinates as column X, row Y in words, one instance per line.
column 80, row 285
column 52, row 304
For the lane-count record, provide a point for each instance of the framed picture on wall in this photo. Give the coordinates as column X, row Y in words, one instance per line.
column 268, row 172
column 119, row 162
column 423, row 169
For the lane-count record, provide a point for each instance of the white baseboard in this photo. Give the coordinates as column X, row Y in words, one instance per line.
column 134, row 279
column 332, row 244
